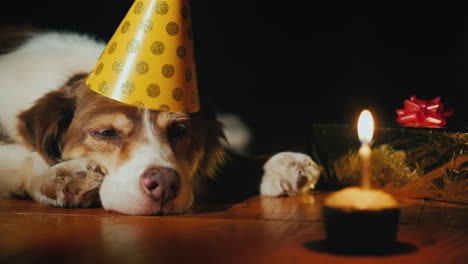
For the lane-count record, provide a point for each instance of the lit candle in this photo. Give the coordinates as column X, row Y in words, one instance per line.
column 362, row 219
column 365, row 133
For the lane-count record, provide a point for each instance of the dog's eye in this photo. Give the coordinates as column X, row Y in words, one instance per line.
column 176, row 131
column 108, row 133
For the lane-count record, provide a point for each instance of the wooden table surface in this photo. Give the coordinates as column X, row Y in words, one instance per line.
column 258, row 230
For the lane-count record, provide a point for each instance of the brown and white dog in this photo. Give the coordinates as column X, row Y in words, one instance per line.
column 65, row 145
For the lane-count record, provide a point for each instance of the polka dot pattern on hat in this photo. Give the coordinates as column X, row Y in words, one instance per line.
column 149, row 61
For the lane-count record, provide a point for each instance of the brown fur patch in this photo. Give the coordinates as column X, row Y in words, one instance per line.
column 43, row 125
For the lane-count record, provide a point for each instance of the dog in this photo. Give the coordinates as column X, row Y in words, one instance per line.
column 66, row 146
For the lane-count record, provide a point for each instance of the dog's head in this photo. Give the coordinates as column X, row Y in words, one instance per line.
column 153, row 158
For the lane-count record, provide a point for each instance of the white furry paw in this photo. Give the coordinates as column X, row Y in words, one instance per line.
column 289, row 173
column 73, row 183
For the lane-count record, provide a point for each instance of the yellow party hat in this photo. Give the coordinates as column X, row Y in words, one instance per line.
column 149, row 61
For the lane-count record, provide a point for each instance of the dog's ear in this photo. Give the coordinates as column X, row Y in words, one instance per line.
column 214, row 154
column 42, row 126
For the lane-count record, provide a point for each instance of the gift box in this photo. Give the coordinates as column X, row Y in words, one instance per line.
column 421, row 162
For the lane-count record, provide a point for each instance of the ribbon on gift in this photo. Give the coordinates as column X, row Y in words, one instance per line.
column 422, row 113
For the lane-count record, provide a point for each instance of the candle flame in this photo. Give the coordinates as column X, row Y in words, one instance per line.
column 365, row 127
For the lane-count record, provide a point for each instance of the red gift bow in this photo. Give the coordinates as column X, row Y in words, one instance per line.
column 422, row 113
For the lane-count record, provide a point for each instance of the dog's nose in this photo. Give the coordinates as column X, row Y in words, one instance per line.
column 160, row 183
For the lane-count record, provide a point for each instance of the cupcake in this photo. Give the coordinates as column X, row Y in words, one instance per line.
column 361, row 220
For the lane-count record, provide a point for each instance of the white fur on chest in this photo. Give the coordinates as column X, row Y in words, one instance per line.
column 42, row 64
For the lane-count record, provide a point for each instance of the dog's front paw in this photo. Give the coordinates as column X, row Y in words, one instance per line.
column 73, row 183
column 289, row 173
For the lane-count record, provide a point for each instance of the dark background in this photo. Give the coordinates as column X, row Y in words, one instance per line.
column 294, row 63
